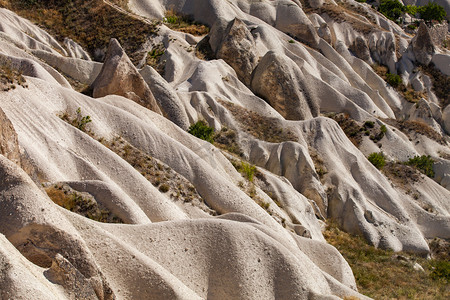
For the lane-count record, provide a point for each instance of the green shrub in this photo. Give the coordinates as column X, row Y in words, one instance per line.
column 391, row 9
column 377, row 159
column 248, row 170
column 432, row 11
column 369, row 124
column 423, row 163
column 202, row 131
column 411, row 9
column 394, row 79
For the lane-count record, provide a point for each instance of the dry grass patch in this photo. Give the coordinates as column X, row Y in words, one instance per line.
column 261, row 127
column 383, row 274
column 83, row 204
column 90, row 23
column 441, row 83
column 10, row 78
column 409, row 127
column 159, row 174
column 184, row 23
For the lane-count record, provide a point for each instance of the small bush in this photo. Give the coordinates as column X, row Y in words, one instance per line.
column 423, row 163
column 248, row 170
column 377, row 159
column 432, row 11
column 394, row 79
column 369, row 124
column 202, row 131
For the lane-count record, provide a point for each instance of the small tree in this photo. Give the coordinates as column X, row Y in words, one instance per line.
column 392, row 9
column 432, row 11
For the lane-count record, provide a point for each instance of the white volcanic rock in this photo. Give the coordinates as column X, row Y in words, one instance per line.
column 119, row 77
column 85, row 71
column 266, row 241
column 75, row 50
column 167, row 99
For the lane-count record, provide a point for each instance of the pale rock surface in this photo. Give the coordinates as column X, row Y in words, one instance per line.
column 75, row 50
column 119, row 77
column 235, row 45
column 167, row 98
column 281, row 82
column 9, row 145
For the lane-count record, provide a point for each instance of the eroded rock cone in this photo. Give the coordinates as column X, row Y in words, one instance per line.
column 119, row 77
column 281, row 83
column 422, row 45
column 237, row 47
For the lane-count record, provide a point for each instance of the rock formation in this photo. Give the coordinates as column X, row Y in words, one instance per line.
column 119, row 77
column 294, row 109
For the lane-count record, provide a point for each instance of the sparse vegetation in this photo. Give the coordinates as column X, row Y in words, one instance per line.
column 377, row 159
column 81, row 203
column 422, row 163
column 201, row 130
column 396, row 82
column 261, row 127
column 411, row 127
column 10, row 77
column 383, row 274
column 154, row 57
column 226, row 139
column 441, row 83
column 90, row 23
column 79, row 121
column 184, row 23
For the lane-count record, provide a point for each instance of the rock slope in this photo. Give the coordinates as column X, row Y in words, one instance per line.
column 270, row 78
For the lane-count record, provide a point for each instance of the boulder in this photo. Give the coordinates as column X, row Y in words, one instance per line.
column 236, row 46
column 120, row 77
column 282, row 84
column 422, row 45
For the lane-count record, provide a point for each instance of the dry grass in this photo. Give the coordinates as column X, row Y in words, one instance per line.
column 383, row 274
column 261, row 127
column 226, row 139
column 441, row 84
column 80, row 203
column 183, row 23
column 10, row 78
column 90, row 23
column 408, row 127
